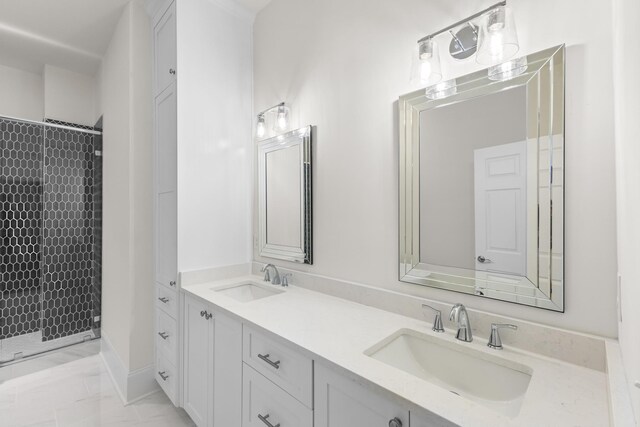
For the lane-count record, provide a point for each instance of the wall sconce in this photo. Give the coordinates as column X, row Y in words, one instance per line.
column 280, row 121
column 489, row 34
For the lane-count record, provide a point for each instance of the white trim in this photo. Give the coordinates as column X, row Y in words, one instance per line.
column 156, row 8
column 236, row 9
column 131, row 386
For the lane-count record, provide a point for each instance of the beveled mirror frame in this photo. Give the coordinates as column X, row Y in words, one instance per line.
column 544, row 79
column 302, row 140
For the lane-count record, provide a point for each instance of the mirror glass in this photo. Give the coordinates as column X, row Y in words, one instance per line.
column 284, row 168
column 481, row 183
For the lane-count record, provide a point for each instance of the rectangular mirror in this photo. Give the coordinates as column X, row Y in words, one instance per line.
column 284, row 196
column 481, row 183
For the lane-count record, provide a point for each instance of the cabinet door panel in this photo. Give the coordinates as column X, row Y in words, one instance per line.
column 166, row 136
column 165, row 49
column 341, row 402
column 227, row 389
column 198, row 361
column 166, row 238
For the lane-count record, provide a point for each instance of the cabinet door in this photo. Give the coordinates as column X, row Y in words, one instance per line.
column 227, row 393
column 164, row 41
column 198, row 361
column 341, row 402
column 166, row 183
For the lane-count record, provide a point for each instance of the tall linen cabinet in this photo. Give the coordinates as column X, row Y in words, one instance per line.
column 203, row 148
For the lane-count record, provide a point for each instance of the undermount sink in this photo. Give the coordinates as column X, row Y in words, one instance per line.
column 493, row 382
column 246, row 292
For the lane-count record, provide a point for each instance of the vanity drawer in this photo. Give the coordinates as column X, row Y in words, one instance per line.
column 166, row 336
column 265, row 403
column 286, row 367
column 167, row 376
column 167, row 300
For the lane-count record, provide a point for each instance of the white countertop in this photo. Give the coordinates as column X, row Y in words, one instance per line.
column 338, row 331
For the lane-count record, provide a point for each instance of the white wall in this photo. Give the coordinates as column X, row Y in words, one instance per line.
column 342, row 65
column 627, row 111
column 125, row 94
column 21, row 94
column 214, row 134
column 69, row 96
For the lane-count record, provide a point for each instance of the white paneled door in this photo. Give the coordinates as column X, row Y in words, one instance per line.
column 500, row 208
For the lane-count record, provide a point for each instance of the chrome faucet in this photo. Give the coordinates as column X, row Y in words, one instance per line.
column 267, row 276
column 459, row 315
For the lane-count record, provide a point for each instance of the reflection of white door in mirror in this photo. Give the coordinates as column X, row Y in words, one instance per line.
column 500, row 208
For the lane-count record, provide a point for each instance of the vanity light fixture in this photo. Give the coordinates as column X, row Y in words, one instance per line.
column 508, row 70
column 489, row 34
column 280, row 122
column 261, row 128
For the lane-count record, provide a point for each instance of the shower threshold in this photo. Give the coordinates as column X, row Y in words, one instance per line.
column 23, row 347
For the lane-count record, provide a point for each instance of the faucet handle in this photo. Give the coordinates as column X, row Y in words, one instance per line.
column 437, row 321
column 285, row 279
column 494, row 339
column 267, row 276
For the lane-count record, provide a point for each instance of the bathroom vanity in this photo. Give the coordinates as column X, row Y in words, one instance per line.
column 256, row 354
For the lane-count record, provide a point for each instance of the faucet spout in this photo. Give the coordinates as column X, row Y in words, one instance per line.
column 460, row 316
column 276, row 275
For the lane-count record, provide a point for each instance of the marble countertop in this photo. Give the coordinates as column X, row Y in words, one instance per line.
column 337, row 332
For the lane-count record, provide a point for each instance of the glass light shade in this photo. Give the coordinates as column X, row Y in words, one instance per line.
column 508, row 70
column 428, row 63
column 260, row 127
column 282, row 119
column 442, row 90
column 497, row 37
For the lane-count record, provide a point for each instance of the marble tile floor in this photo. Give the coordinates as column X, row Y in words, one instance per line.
column 76, row 392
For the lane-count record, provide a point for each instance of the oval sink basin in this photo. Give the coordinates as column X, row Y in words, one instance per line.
column 246, row 292
column 493, row 382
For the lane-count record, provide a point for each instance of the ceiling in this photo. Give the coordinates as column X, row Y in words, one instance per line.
column 72, row 34
column 254, row 6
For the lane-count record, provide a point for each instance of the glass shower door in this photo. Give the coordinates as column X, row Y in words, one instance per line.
column 49, row 261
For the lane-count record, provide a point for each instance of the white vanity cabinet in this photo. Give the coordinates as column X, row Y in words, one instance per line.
column 212, row 370
column 342, row 402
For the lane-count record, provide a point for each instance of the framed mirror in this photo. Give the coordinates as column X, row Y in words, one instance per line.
column 482, row 183
column 284, row 196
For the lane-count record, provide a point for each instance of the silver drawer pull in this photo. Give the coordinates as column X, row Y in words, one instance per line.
column 163, row 335
column 163, row 300
column 163, row 375
column 265, row 420
column 483, row 259
column 265, row 357
column 172, row 283
column 172, row 71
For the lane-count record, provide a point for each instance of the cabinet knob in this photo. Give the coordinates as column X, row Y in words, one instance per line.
column 172, row 71
column 395, row 422
column 172, row 283
column 202, row 313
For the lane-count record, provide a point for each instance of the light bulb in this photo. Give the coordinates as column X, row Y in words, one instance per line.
column 260, row 128
column 429, row 70
column 497, row 37
column 282, row 119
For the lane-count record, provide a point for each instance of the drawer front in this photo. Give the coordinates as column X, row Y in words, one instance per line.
column 264, row 404
column 167, row 300
column 289, row 369
column 167, row 337
column 167, row 377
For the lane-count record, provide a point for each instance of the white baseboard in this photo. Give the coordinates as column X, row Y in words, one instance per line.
column 131, row 386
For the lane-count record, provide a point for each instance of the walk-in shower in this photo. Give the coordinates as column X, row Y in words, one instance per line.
column 50, row 236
